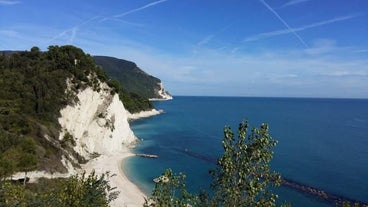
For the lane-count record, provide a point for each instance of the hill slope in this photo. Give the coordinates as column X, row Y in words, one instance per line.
column 132, row 78
column 58, row 106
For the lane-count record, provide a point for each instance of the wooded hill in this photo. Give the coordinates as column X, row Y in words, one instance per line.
column 33, row 85
column 130, row 76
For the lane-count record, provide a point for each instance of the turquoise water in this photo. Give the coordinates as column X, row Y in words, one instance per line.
column 322, row 142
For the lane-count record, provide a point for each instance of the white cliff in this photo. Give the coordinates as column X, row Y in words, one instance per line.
column 98, row 122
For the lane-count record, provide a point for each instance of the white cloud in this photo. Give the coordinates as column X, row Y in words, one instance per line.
column 322, row 46
column 270, row 73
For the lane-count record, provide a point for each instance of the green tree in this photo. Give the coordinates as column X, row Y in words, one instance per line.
column 77, row 191
column 7, row 168
column 28, row 160
column 12, row 155
column 243, row 176
column 91, row 190
column 170, row 190
column 26, row 163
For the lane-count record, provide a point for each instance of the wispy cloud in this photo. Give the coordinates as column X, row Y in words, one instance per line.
column 205, row 40
column 344, row 73
column 298, row 29
column 293, row 2
column 292, row 72
column 8, row 2
column 361, row 51
column 9, row 33
column 289, row 29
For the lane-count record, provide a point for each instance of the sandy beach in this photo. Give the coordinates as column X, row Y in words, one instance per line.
column 130, row 195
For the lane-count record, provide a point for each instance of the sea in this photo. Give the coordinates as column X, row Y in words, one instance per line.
column 322, row 143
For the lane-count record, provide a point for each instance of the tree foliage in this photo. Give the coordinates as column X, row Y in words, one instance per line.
column 91, row 190
column 77, row 191
column 131, row 77
column 170, row 191
column 242, row 177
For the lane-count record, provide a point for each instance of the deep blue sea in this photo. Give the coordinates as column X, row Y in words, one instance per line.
column 323, row 143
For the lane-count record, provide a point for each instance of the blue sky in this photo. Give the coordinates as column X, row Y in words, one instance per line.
column 288, row 48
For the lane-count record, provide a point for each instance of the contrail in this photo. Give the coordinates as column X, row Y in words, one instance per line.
column 208, row 38
column 284, row 22
column 293, row 2
column 73, row 30
column 298, row 29
column 140, row 8
column 74, row 33
column 134, row 10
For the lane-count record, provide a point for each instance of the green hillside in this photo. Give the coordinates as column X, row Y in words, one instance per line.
column 33, row 85
column 130, row 76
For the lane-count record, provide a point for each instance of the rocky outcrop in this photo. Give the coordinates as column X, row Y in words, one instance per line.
column 161, row 93
column 97, row 123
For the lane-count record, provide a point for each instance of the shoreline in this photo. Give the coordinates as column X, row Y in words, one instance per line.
column 130, row 195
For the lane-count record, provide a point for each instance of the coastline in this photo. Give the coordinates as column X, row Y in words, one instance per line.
column 113, row 162
column 160, row 99
column 130, row 195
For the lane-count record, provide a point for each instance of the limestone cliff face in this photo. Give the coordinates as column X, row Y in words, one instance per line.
column 98, row 123
column 161, row 93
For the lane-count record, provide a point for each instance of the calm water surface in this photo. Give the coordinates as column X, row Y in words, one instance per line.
column 322, row 142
